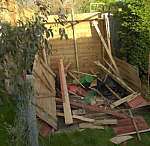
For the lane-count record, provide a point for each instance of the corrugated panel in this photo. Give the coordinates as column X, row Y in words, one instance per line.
column 126, row 125
column 137, row 102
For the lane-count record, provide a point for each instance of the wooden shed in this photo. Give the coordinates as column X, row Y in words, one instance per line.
column 87, row 41
column 89, row 47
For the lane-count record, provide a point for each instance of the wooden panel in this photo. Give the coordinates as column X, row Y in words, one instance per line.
column 44, row 84
column 129, row 74
column 88, row 43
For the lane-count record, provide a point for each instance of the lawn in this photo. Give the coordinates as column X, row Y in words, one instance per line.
column 90, row 137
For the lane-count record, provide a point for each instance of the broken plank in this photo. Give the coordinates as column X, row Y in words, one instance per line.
column 134, row 132
column 116, row 78
column 82, row 118
column 46, row 67
column 65, row 95
column 106, row 122
column 135, row 125
column 90, row 126
column 77, row 72
column 120, row 139
column 95, row 23
column 123, row 100
column 74, row 77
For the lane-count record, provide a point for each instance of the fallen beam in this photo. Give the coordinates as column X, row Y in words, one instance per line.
column 135, row 125
column 123, row 100
column 65, row 95
column 95, row 23
column 116, row 78
column 82, row 118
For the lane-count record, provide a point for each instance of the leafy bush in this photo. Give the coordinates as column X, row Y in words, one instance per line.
column 134, row 33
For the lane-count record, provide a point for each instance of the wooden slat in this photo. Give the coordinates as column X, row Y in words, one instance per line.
column 120, row 139
column 116, row 78
column 135, row 125
column 44, row 85
column 90, row 126
column 65, row 95
column 82, row 118
column 95, row 23
column 123, row 100
column 106, row 122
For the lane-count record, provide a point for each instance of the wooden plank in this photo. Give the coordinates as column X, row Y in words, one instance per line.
column 116, row 78
column 84, row 73
column 65, row 95
column 123, row 100
column 131, row 133
column 114, row 93
column 105, row 46
column 135, row 125
column 74, row 39
column 106, row 122
column 74, row 77
column 120, row 139
column 46, row 67
column 82, row 118
column 90, row 126
column 107, row 24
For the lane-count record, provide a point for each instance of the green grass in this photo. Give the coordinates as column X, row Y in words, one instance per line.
column 7, row 114
column 90, row 137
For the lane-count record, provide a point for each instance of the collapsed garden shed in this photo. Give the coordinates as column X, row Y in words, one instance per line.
column 81, row 76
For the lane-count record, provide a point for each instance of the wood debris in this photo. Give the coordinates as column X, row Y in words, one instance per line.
column 90, row 126
column 120, row 139
column 65, row 95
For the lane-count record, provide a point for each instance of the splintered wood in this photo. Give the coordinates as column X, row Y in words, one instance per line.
column 123, row 100
column 95, row 23
column 65, row 95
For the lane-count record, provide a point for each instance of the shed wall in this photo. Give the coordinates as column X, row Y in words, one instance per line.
column 88, row 43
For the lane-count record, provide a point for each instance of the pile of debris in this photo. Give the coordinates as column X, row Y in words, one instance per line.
column 94, row 101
